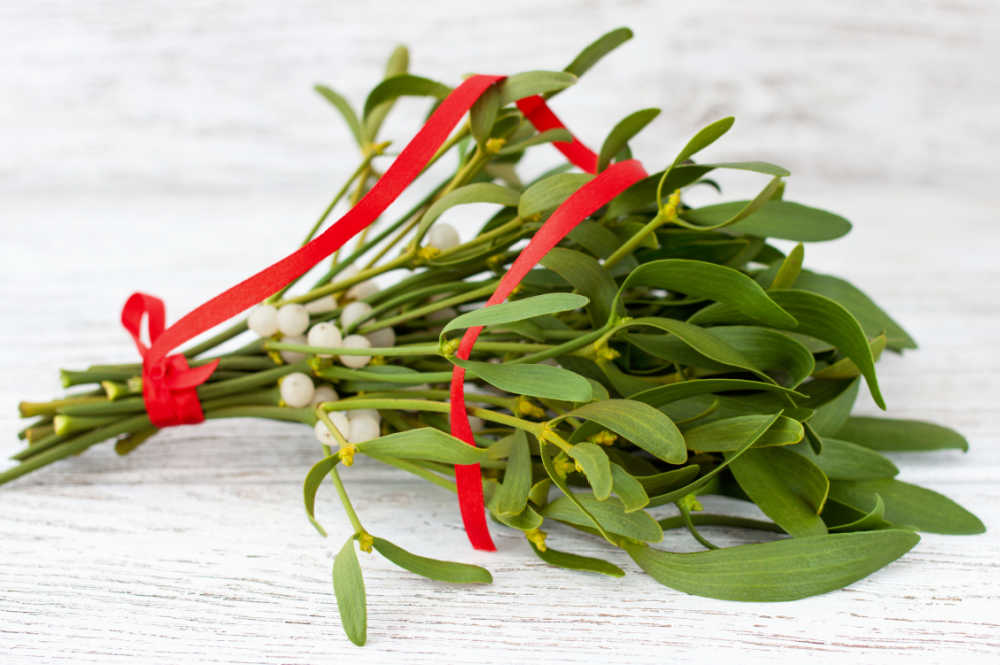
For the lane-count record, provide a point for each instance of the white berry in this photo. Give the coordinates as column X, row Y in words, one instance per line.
column 443, row 236
column 355, row 342
column 293, row 356
column 367, row 413
column 263, row 320
column 362, row 290
column 383, row 338
column 339, row 420
column 363, row 429
column 354, row 312
column 322, row 305
column 324, row 393
column 293, row 319
column 476, row 424
column 443, row 314
column 325, row 335
column 297, row 390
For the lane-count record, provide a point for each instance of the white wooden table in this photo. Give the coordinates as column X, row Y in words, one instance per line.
column 177, row 149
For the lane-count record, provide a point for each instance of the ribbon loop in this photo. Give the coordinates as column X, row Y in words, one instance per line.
column 169, row 386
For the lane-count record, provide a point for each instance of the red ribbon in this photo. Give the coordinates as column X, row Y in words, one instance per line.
column 168, row 384
column 541, row 116
column 584, row 202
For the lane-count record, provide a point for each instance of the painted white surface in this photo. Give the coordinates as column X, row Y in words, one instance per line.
column 177, row 147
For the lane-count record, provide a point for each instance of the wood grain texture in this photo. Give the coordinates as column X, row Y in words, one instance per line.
column 176, row 147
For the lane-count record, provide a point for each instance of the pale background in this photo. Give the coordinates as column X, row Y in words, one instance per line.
column 176, row 147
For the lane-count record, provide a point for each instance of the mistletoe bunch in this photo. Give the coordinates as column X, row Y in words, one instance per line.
column 659, row 353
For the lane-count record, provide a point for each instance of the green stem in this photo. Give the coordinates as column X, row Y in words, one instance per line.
column 627, row 247
column 75, row 446
column 418, row 312
column 435, row 407
column 709, row 519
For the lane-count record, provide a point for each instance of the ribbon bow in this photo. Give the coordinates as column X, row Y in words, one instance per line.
column 169, row 386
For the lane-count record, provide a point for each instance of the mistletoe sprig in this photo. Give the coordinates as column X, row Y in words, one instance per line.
column 660, row 353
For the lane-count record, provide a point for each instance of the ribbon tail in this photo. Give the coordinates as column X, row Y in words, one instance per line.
column 584, row 202
column 191, row 377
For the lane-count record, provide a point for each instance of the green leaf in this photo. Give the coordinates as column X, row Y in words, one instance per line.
column 695, row 485
column 577, row 562
column 560, row 482
column 666, row 481
column 398, row 62
column 435, row 569
column 588, row 277
column 704, row 343
column 528, row 84
column 597, row 49
column 829, row 417
column 637, row 525
column 660, row 395
column 478, row 192
column 549, row 194
column 517, row 310
column 775, row 219
column 757, row 167
column 786, row 569
column 532, row 380
column 596, row 467
column 789, row 269
column 597, row 239
column 845, row 367
column 908, row 505
column 638, row 423
column 789, row 488
column 704, row 138
column 403, row 85
column 483, row 114
column 628, row 489
column 819, row 317
column 689, row 409
column 872, row 318
column 345, row 109
column 311, row 485
column 749, row 208
column 622, row 133
column 512, row 495
column 894, row 434
column 870, row 521
column 425, row 443
column 708, row 280
column 729, row 434
column 527, row 520
column 843, row 460
column 770, row 350
column 349, row 588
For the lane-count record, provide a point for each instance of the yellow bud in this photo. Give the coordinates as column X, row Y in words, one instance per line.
column 537, row 538
column 690, row 502
column 275, row 357
column 377, row 360
column 449, row 348
column 603, row 438
column 563, row 465
column 428, row 252
column 346, row 454
column 525, row 407
column 604, row 352
column 494, row 145
column 365, row 541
